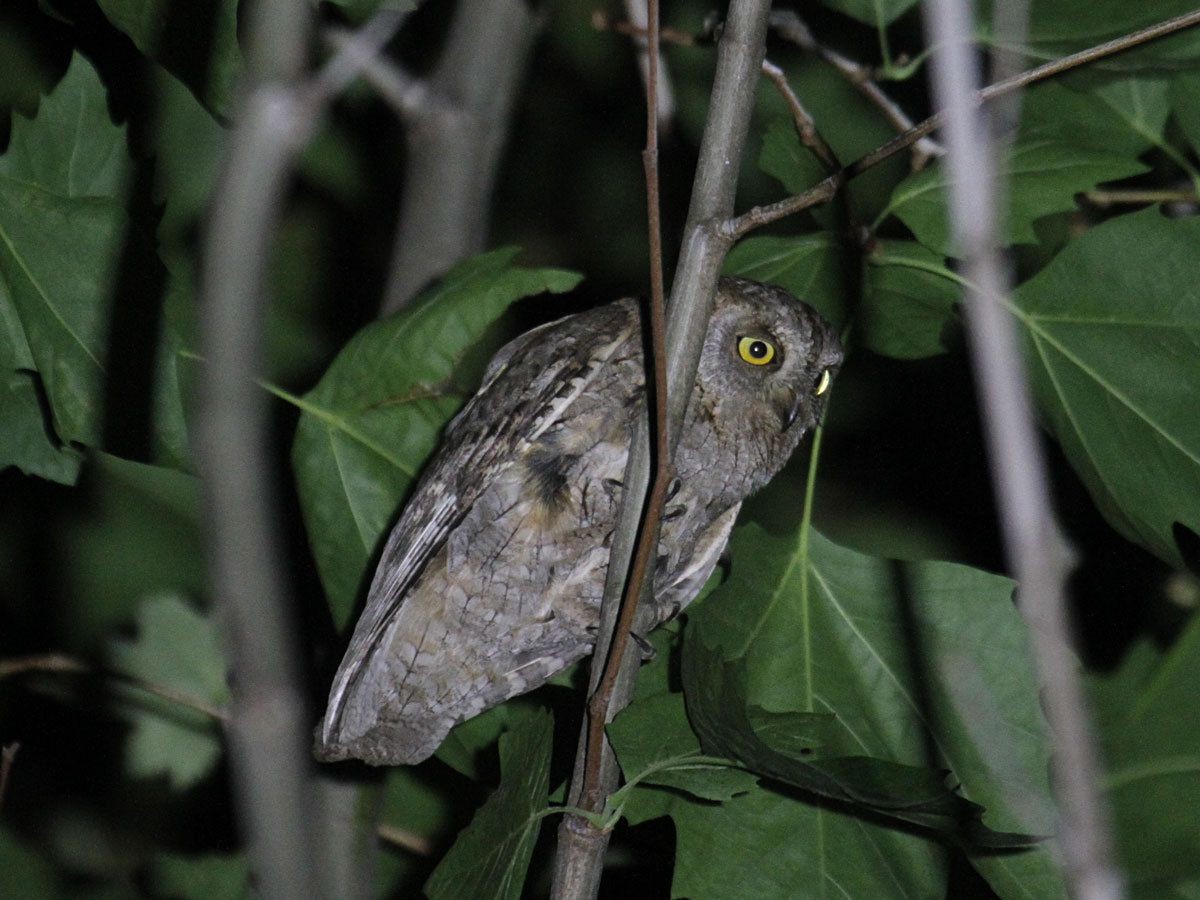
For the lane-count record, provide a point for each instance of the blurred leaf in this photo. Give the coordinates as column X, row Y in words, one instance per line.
column 1043, row 177
column 880, row 13
column 194, row 41
column 209, row 877
column 61, row 226
column 919, row 663
column 1113, row 329
column 809, row 266
column 138, row 534
column 1123, row 115
column 1185, row 104
column 377, row 413
column 909, row 300
column 176, row 648
column 1153, row 777
column 426, row 809
column 23, row 871
column 492, row 854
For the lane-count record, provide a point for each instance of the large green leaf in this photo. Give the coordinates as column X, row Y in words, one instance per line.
column 1043, row 177
column 1153, row 771
column 1119, row 115
column 195, row 40
column 178, row 649
column 879, row 13
column 810, row 266
column 920, row 663
column 909, row 300
column 376, row 414
column 206, row 877
column 492, row 854
column 1185, row 104
column 1113, row 331
column 61, row 224
column 1057, row 27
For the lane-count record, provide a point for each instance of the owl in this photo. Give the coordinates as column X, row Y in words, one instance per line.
column 491, row 580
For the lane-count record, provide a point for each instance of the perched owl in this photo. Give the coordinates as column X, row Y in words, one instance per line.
column 491, row 580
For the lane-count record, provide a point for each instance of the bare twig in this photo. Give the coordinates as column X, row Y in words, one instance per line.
column 791, row 27
column 1037, row 551
column 823, row 191
column 61, row 663
column 267, row 728
column 739, row 62
column 806, row 128
column 1136, row 197
column 8, row 756
column 454, row 143
column 405, row 839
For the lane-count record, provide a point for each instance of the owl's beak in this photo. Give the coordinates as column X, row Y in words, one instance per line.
column 793, row 411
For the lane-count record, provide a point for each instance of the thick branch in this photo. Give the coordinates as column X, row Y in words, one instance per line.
column 739, row 62
column 454, row 143
column 1037, row 551
column 267, row 727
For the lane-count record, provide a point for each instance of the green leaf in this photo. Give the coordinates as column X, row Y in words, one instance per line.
column 1058, row 27
column 1113, row 333
column 61, row 225
column 1185, row 104
column 72, row 148
column 207, row 877
column 1153, row 776
column 656, row 745
column 492, row 854
column 376, row 414
column 810, row 266
column 194, row 41
column 138, row 535
column 176, row 648
column 423, row 807
column 909, row 300
column 920, row 663
column 766, row 843
column 23, row 871
column 1043, row 177
column 879, row 13
column 1118, row 115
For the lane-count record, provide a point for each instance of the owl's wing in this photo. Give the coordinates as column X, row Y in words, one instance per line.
column 526, row 389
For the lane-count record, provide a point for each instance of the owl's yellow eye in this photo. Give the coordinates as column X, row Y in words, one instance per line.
column 755, row 351
column 823, row 382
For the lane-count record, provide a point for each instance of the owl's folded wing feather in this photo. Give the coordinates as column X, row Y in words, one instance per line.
column 523, row 394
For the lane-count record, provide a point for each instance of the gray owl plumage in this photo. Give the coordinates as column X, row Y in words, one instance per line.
column 491, row 580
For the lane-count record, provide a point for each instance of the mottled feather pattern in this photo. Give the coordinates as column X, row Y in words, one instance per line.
column 491, row 580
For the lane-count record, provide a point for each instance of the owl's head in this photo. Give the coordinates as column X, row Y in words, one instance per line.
column 767, row 364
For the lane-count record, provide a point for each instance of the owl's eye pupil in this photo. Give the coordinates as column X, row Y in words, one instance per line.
column 756, row 351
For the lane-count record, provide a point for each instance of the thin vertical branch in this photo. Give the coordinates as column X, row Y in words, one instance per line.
column 1037, row 551
column 594, row 796
column 739, row 62
column 267, row 724
column 664, row 98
